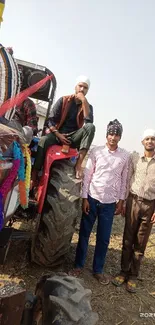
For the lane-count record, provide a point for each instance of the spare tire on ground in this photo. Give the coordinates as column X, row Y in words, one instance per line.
column 62, row 300
column 61, row 208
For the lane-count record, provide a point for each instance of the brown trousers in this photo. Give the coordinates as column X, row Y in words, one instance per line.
column 136, row 233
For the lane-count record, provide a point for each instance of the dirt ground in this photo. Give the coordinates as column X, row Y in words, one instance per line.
column 115, row 306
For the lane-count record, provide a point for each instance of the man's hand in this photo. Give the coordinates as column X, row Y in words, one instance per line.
column 85, row 206
column 81, row 97
column 119, row 207
column 47, row 131
column 62, row 137
column 153, row 218
column 85, row 106
column 123, row 210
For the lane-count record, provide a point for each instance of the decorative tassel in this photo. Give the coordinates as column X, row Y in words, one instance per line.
column 1, row 212
column 28, row 171
column 24, row 178
column 7, row 183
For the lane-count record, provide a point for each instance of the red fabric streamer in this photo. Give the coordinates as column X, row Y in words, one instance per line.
column 19, row 98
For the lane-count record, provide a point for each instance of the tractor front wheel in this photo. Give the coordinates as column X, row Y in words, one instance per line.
column 61, row 209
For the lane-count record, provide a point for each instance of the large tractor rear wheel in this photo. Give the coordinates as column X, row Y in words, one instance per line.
column 61, row 209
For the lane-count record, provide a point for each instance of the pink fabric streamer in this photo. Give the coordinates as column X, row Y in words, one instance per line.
column 6, row 186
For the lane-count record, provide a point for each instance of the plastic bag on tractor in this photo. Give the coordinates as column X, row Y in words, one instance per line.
column 7, row 137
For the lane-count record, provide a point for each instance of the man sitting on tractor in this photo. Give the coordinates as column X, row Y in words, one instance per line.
column 26, row 115
column 70, row 123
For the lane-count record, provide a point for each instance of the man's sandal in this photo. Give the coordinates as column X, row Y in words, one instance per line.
column 119, row 280
column 101, row 278
column 75, row 272
column 131, row 286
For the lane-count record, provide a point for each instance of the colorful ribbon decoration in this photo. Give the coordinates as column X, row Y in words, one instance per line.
column 24, row 177
column 8, row 182
column 18, row 169
column 28, row 167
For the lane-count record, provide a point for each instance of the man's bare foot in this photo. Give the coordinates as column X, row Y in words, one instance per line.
column 78, row 171
column 34, row 179
column 34, row 183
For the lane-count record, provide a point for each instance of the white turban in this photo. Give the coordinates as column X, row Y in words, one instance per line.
column 83, row 79
column 148, row 133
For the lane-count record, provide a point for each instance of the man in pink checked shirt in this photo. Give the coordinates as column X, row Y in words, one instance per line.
column 104, row 189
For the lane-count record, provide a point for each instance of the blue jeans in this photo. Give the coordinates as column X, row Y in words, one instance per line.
column 105, row 213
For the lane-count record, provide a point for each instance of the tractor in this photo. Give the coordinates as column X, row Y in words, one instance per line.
column 58, row 198
column 59, row 299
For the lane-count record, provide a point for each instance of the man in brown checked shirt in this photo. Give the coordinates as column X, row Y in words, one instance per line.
column 139, row 211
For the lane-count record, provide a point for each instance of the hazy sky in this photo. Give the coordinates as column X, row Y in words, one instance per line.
column 111, row 41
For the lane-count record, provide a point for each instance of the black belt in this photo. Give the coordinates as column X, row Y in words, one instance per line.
column 139, row 198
